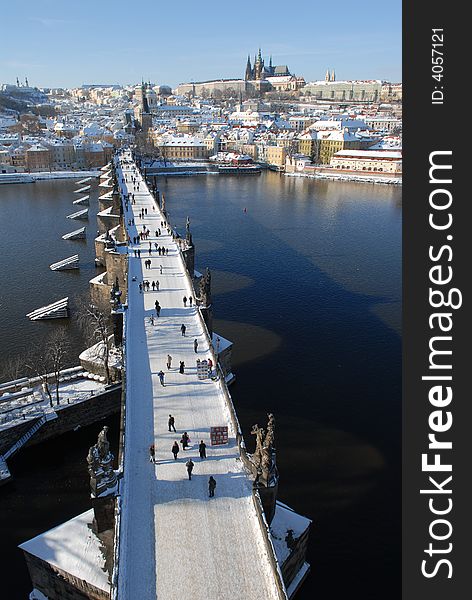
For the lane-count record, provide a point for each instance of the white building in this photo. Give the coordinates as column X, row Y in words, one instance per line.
column 368, row 160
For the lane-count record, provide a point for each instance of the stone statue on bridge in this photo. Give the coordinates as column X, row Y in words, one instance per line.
column 115, row 295
column 264, row 455
column 263, row 459
column 100, row 466
column 93, row 460
column 188, row 234
column 205, row 288
column 103, row 444
column 257, row 456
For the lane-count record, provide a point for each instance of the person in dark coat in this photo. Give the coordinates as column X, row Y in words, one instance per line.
column 185, row 440
column 189, row 464
column 171, row 423
column 175, row 449
column 161, row 379
column 183, row 329
column 211, row 486
column 182, row 367
column 185, row 300
column 152, row 453
column 195, row 345
column 202, row 449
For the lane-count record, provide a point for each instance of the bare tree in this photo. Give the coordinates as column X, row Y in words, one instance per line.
column 12, row 369
column 94, row 318
column 47, row 361
column 58, row 346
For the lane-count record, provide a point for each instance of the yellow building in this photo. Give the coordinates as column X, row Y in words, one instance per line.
column 276, row 155
column 330, row 142
column 307, row 143
column 181, row 148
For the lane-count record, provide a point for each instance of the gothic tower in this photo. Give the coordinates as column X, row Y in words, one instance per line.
column 258, row 66
column 248, row 75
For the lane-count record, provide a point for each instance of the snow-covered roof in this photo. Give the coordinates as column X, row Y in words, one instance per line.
column 73, row 548
column 286, row 519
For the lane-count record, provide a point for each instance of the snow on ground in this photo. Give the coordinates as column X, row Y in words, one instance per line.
column 74, row 548
column 57, row 174
column 34, row 405
column 175, row 541
column 349, row 177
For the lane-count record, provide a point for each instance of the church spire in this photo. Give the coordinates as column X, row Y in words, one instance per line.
column 327, row 77
column 248, row 75
column 144, row 97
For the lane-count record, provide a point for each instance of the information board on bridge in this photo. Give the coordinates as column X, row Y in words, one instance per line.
column 219, row 435
column 202, row 369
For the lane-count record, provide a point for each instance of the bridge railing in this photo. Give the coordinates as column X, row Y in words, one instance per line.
column 121, row 465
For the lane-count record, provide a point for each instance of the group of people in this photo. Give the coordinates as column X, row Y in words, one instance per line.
column 190, row 300
column 146, row 285
column 185, row 441
column 161, row 373
column 144, row 234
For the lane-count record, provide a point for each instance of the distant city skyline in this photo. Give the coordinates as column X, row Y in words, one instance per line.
column 107, row 42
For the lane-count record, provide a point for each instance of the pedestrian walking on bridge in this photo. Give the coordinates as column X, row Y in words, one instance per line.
column 169, row 362
column 171, row 423
column 195, row 345
column 211, row 486
column 175, row 449
column 202, row 449
column 189, row 464
column 152, row 453
column 185, row 440
column 183, row 329
column 182, row 367
column 161, row 377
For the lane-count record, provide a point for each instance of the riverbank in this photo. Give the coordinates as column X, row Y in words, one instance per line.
column 30, row 177
column 349, row 177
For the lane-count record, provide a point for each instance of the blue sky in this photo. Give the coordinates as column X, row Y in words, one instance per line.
column 60, row 43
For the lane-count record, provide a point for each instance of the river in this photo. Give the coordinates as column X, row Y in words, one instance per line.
column 306, row 281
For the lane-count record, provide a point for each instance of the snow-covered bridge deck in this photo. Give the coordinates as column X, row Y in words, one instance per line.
column 175, row 542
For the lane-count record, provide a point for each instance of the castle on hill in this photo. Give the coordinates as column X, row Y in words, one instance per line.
column 261, row 71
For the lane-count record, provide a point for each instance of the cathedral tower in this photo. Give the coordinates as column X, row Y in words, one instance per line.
column 248, row 75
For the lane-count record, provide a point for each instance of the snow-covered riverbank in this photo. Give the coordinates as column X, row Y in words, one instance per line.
column 28, row 177
column 346, row 177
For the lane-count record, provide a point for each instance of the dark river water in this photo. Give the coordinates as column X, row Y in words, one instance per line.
column 307, row 283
